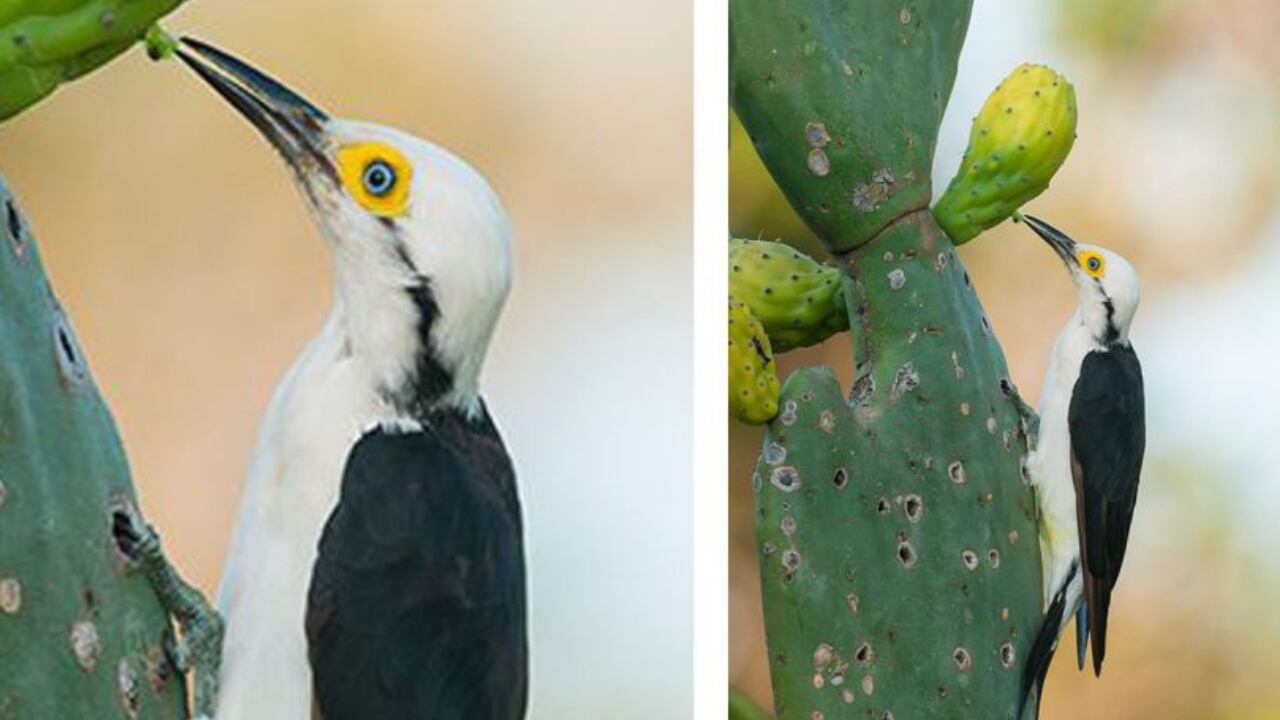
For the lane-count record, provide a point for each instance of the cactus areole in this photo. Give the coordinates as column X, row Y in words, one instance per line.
column 896, row 533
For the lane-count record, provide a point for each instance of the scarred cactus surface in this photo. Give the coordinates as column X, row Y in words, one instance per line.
column 896, row 534
column 82, row 635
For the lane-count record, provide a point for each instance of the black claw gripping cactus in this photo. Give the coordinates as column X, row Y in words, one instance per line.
column 82, row 634
column 896, row 533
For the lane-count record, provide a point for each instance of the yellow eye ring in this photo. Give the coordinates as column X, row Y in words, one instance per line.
column 377, row 177
column 1093, row 264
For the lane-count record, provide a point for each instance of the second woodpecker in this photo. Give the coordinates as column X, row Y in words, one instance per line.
column 1089, row 452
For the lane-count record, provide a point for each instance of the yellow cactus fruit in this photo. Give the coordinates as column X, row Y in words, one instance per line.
column 753, row 377
column 1016, row 144
column 797, row 299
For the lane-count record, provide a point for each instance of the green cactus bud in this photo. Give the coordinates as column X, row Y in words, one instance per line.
column 753, row 378
column 797, row 299
column 1016, row 144
column 45, row 43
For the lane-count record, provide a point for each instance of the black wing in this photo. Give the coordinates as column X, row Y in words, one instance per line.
column 417, row 604
column 1108, row 437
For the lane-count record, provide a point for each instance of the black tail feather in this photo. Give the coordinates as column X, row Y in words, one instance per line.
column 1042, row 650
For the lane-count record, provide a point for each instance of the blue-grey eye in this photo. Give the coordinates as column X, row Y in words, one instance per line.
column 379, row 178
column 1094, row 264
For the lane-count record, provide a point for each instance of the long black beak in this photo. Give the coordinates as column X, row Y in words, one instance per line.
column 289, row 121
column 1064, row 246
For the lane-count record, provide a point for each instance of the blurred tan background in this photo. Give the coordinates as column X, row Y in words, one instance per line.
column 1177, row 166
column 193, row 275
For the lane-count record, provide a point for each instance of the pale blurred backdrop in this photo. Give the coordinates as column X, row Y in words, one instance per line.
column 193, row 275
column 1177, row 166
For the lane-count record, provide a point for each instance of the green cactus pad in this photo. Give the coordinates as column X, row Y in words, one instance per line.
column 45, row 43
column 1017, row 143
column 753, row 377
column 897, row 540
column 842, row 101
column 82, row 635
column 798, row 300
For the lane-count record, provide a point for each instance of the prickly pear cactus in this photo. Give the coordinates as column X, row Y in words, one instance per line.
column 896, row 533
column 82, row 636
column 45, row 43
column 753, row 376
column 1017, row 142
column 795, row 298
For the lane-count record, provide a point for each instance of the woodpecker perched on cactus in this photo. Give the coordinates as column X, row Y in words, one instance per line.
column 377, row 568
column 1086, row 463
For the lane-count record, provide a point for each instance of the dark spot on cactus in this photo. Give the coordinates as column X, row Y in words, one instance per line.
column 883, row 506
column 864, row 654
column 815, row 133
column 768, row 291
column 128, row 686
column 905, row 380
column 10, row 596
column 993, row 558
column 967, row 282
column 942, row 693
column 906, row 553
column 888, row 715
column 913, row 506
column 791, row 561
column 1007, row 388
column 963, row 661
column 13, row 221
column 818, row 162
column 19, row 40
column 108, row 19
column 1013, row 537
column 863, row 388
column 90, row 600
column 86, row 644
column 773, row 453
column 768, row 549
column 822, row 656
column 788, row 526
column 897, row 279
column 4, row 495
column 1009, row 110
column 736, row 268
column 785, row 478
column 788, row 415
column 70, row 363
column 852, row 601
column 841, row 478
column 1048, row 133
column 970, row 559
column 1007, row 656
column 956, row 472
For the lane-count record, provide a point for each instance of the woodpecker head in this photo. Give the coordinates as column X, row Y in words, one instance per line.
column 1106, row 285
column 422, row 252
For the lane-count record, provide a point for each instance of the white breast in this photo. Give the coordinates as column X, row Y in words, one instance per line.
column 317, row 413
column 1050, row 464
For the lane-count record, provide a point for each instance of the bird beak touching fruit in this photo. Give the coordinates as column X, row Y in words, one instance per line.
column 290, row 122
column 1064, row 246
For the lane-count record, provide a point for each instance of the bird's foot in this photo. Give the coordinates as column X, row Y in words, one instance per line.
column 1030, row 419
column 199, row 650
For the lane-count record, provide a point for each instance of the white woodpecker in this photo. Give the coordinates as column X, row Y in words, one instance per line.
column 377, row 566
column 1088, row 456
